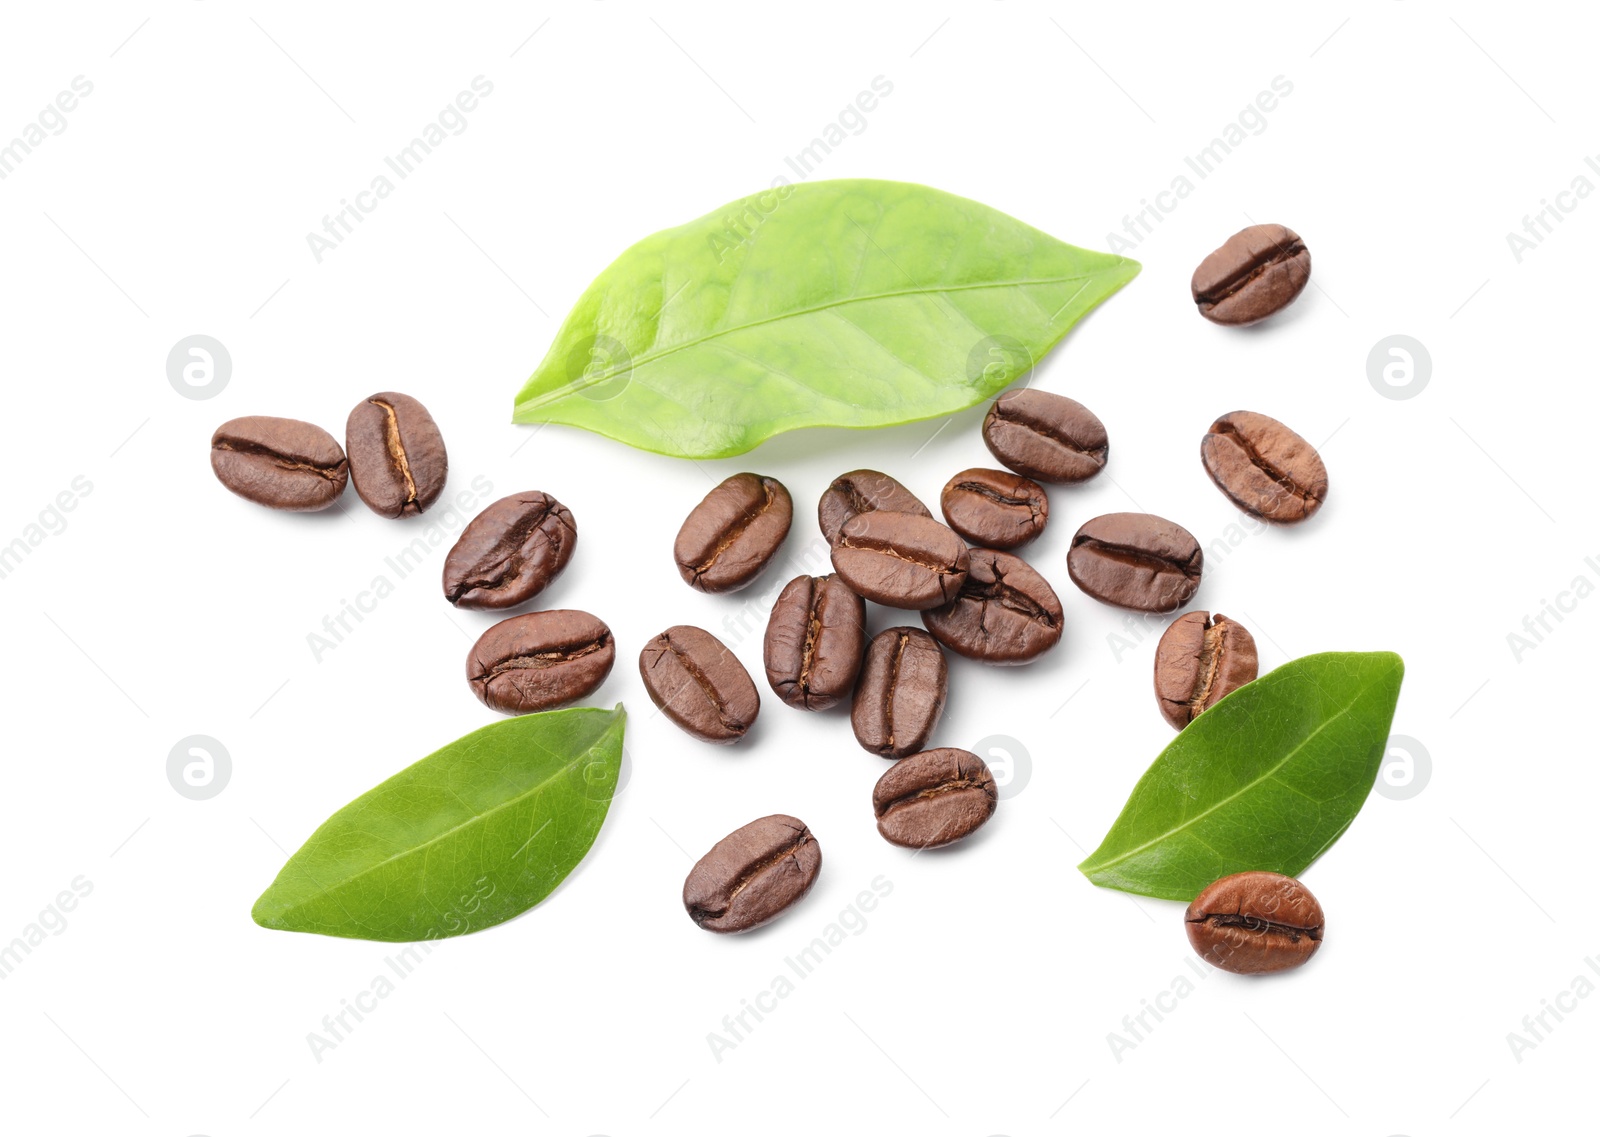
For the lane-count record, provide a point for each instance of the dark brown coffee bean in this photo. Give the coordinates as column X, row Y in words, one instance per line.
column 1006, row 613
column 1050, row 438
column 1200, row 659
column 903, row 560
column 699, row 684
column 753, row 875
column 731, row 535
column 1136, row 560
column 397, row 457
column 814, row 642
column 862, row 491
column 933, row 798
column 510, row 552
column 900, row 694
column 281, row 463
column 1255, row 922
column 540, row 660
column 1256, row 272
column 994, row 508
column 1264, row 468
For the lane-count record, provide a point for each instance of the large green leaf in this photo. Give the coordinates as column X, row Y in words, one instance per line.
column 475, row 833
column 841, row 303
column 1266, row 779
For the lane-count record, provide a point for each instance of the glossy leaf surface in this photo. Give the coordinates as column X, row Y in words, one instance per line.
column 477, row 832
column 1266, row 779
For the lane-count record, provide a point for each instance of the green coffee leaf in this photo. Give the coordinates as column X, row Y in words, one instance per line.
column 1266, row 779
column 841, row 303
column 475, row 833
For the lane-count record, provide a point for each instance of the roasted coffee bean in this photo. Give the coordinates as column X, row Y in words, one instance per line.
column 753, row 875
column 1256, row 272
column 900, row 694
column 1200, row 659
column 814, row 642
column 903, row 560
column 862, row 491
column 933, row 798
column 1255, row 922
column 731, row 535
column 510, row 552
column 540, row 660
column 397, row 458
column 1050, row 438
column 1006, row 612
column 699, row 684
column 1136, row 560
column 1264, row 468
column 994, row 508
column 281, row 463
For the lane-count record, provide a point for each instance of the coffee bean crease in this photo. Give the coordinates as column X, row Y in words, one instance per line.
column 1237, row 281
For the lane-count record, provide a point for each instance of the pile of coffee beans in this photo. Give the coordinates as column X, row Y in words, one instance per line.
column 974, row 595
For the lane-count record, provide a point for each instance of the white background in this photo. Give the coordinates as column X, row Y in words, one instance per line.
column 980, row 995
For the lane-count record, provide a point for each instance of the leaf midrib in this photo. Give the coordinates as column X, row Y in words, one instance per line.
column 649, row 357
column 327, row 889
column 1329, row 721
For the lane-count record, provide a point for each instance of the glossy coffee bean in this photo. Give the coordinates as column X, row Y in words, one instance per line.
column 510, row 552
column 753, row 875
column 903, row 560
column 281, row 463
column 814, row 641
column 934, row 798
column 397, row 457
column 1006, row 612
column 1200, row 659
column 1047, row 437
column 540, row 660
column 1256, row 272
column 995, row 509
column 900, row 693
column 731, row 535
column 1136, row 560
column 1264, row 468
column 1255, row 922
column 862, row 491
column 699, row 684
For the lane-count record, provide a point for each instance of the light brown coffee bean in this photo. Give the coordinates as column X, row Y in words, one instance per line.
column 510, row 552
column 1136, row 560
column 1252, row 923
column 1006, row 613
column 397, row 456
column 753, row 875
column 281, row 463
column 1264, row 468
column 540, row 660
column 1200, row 659
column 1047, row 437
column 995, row 509
column 814, row 641
column 733, row 533
column 1256, row 272
column 900, row 693
column 934, row 798
column 699, row 684
column 903, row 560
